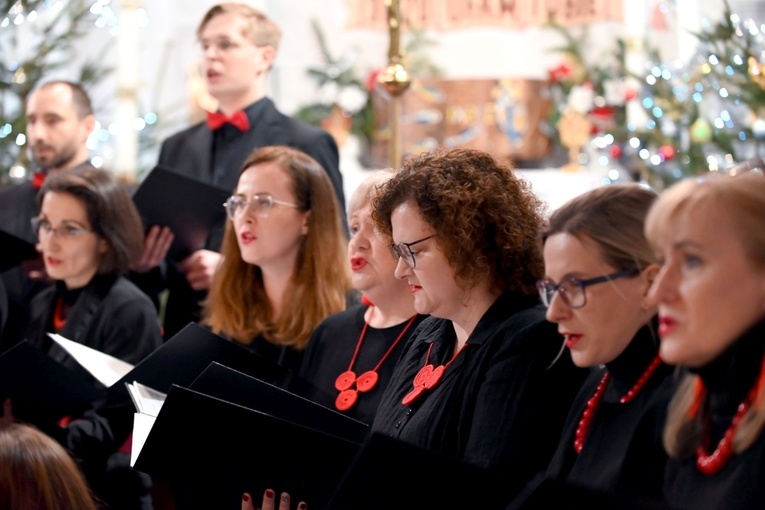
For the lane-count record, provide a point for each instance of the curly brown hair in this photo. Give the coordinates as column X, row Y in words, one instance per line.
column 486, row 220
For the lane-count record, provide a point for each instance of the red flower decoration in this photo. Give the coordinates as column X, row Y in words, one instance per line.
column 372, row 80
column 560, row 72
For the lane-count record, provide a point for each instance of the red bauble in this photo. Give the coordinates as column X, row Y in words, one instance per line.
column 616, row 151
column 667, row 151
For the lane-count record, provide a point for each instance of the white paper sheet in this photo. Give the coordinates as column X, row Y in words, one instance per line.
column 107, row 369
column 142, row 424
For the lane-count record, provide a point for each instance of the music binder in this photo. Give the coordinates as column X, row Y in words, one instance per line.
column 388, row 473
column 15, row 250
column 188, row 353
column 41, row 389
column 232, row 386
column 217, row 450
column 190, row 208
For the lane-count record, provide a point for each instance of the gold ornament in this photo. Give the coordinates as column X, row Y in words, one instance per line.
column 574, row 129
column 757, row 71
column 395, row 79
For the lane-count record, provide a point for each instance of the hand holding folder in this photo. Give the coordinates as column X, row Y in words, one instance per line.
column 190, row 208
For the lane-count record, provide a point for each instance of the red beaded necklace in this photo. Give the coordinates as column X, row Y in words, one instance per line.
column 712, row 463
column 428, row 376
column 592, row 404
column 366, row 381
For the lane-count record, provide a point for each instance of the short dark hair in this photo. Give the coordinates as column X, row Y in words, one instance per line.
column 111, row 213
column 485, row 219
column 80, row 98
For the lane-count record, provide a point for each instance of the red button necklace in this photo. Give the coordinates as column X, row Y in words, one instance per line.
column 592, row 404
column 712, row 463
column 428, row 376
column 366, row 381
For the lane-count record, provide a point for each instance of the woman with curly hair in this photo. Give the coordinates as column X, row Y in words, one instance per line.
column 283, row 268
column 484, row 379
column 710, row 236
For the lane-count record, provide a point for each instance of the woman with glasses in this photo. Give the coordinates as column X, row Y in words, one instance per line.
column 352, row 354
column 283, row 269
column 484, row 379
column 89, row 233
column 598, row 269
column 710, row 236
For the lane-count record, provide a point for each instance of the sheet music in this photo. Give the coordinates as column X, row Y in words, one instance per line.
column 107, row 369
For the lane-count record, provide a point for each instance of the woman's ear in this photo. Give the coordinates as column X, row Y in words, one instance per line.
column 648, row 275
column 304, row 229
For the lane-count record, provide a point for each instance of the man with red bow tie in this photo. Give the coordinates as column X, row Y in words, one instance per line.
column 239, row 44
column 59, row 119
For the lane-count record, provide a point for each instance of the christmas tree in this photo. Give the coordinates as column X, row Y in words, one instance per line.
column 38, row 38
column 707, row 114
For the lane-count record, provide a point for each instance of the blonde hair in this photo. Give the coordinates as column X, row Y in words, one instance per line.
column 36, row 473
column 261, row 30
column 237, row 305
column 365, row 192
column 741, row 198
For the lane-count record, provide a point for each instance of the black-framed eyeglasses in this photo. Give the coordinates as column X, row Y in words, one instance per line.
column 571, row 290
column 405, row 250
column 42, row 228
column 260, row 204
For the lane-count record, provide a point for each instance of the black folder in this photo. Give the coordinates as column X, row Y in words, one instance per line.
column 232, row 386
column 388, row 473
column 40, row 388
column 189, row 207
column 217, row 450
column 549, row 494
column 189, row 352
column 15, row 250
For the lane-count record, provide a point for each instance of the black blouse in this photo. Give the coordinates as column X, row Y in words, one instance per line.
column 741, row 483
column 501, row 403
column 622, row 453
column 331, row 348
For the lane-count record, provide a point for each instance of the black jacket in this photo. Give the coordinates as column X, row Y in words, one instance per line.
column 500, row 404
column 110, row 314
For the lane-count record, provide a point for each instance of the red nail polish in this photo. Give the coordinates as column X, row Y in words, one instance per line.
column 245, row 497
column 269, row 494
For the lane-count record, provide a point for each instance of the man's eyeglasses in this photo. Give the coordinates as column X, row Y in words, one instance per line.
column 405, row 250
column 260, row 204
column 43, row 228
column 572, row 289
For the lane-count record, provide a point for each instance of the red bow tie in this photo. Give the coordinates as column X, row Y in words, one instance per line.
column 38, row 179
column 238, row 119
